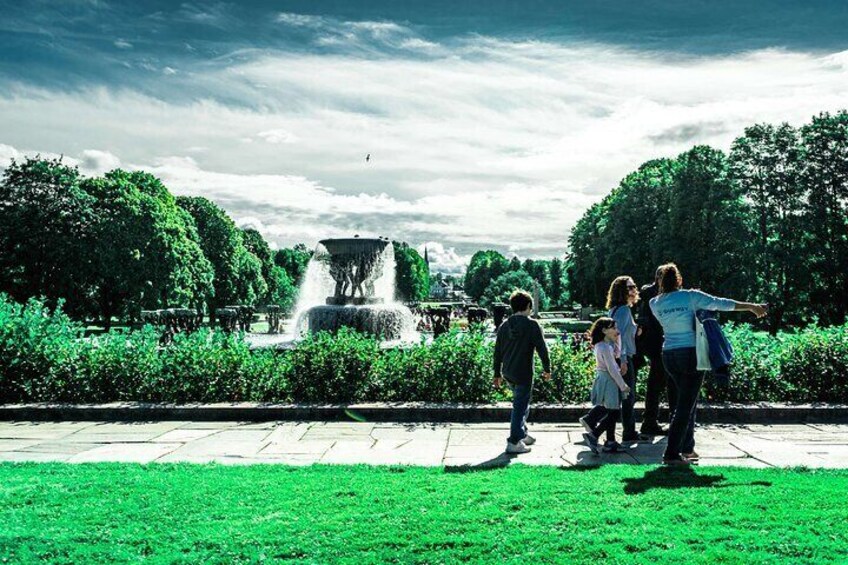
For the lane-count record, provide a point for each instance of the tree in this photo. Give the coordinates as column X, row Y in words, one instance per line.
column 295, row 261
column 284, row 292
column 146, row 251
column 256, row 244
column 515, row 264
column 484, row 267
column 412, row 275
column 238, row 273
column 500, row 289
column 556, row 284
column 46, row 235
column 766, row 162
column 825, row 179
column 705, row 230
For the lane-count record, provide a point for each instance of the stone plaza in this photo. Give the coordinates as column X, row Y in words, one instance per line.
column 441, row 444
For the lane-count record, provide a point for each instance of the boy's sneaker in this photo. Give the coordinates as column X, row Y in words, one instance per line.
column 518, row 447
column 529, row 440
column 586, row 425
column 612, row 447
column 592, row 442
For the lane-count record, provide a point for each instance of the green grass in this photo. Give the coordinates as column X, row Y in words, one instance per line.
column 113, row 513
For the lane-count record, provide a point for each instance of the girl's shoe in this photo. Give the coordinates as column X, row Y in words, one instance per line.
column 693, row 456
column 612, row 447
column 592, row 442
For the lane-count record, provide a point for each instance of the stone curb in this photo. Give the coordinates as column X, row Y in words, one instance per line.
column 763, row 413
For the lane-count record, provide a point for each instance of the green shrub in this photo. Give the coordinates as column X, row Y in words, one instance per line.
column 44, row 357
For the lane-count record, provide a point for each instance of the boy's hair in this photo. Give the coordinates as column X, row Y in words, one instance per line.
column 520, row 300
column 618, row 293
column 669, row 277
column 596, row 332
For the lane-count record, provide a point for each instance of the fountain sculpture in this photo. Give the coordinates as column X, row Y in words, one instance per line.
column 356, row 278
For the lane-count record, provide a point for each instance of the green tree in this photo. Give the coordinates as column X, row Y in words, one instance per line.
column 484, row 267
column 515, row 264
column 825, row 179
column 146, row 249
column 766, row 162
column 283, row 291
column 504, row 285
column 556, row 291
column 412, row 275
column 46, row 233
column 295, row 261
column 706, row 231
column 238, row 273
column 256, row 244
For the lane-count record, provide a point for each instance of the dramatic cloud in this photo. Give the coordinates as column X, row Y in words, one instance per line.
column 475, row 142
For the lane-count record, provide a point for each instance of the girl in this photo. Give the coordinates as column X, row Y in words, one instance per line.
column 607, row 389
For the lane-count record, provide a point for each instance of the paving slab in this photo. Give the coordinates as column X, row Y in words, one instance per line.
column 455, row 446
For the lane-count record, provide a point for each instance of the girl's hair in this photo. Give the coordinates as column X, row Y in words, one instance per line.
column 669, row 277
column 618, row 293
column 596, row 332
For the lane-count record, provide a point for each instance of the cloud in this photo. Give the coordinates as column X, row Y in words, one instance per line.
column 442, row 259
column 122, row 44
column 476, row 143
column 277, row 136
column 94, row 162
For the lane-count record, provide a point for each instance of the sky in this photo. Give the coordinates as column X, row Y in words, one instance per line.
column 490, row 125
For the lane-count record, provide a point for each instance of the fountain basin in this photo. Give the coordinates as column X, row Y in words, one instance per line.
column 387, row 321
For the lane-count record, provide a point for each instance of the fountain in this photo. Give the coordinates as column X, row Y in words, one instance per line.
column 350, row 283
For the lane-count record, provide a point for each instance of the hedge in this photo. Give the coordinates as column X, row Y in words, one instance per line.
column 44, row 357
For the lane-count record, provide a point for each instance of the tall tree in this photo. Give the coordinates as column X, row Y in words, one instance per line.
column 295, row 261
column 556, row 284
column 46, row 235
column 256, row 244
column 412, row 274
column 766, row 162
column 238, row 273
column 825, row 178
column 501, row 287
column 484, row 267
column 146, row 249
column 706, row 231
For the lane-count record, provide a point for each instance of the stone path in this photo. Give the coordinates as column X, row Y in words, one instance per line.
column 304, row 443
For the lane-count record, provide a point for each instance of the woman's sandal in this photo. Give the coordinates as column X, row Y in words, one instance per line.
column 693, row 456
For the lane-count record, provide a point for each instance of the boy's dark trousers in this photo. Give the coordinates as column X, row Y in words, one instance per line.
column 521, row 394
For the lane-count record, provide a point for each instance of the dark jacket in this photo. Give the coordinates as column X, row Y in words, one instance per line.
column 651, row 341
column 721, row 352
column 517, row 339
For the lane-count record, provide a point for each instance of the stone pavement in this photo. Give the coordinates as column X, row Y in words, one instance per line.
column 449, row 445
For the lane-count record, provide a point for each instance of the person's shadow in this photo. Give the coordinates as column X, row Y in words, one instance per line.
column 678, row 477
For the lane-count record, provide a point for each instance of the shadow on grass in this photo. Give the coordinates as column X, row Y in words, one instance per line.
column 499, row 462
column 679, row 477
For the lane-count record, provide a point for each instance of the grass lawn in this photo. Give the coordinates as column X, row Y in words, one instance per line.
column 116, row 513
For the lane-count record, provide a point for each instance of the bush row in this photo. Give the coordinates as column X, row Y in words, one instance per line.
column 44, row 357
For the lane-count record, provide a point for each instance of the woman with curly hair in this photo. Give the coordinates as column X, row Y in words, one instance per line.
column 675, row 309
column 623, row 294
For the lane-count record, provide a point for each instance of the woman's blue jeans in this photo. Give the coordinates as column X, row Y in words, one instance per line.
column 681, row 365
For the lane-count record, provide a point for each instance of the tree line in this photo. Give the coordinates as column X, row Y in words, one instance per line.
column 491, row 278
column 113, row 245
column 768, row 221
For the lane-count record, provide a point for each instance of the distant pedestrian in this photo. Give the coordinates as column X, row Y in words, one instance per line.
column 649, row 350
column 675, row 309
column 518, row 338
column 608, row 389
column 622, row 296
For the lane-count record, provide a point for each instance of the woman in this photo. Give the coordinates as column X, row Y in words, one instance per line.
column 623, row 294
column 675, row 309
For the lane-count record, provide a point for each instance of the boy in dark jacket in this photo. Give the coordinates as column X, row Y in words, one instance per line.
column 518, row 337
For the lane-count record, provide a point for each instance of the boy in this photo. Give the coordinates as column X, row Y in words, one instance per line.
column 518, row 337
